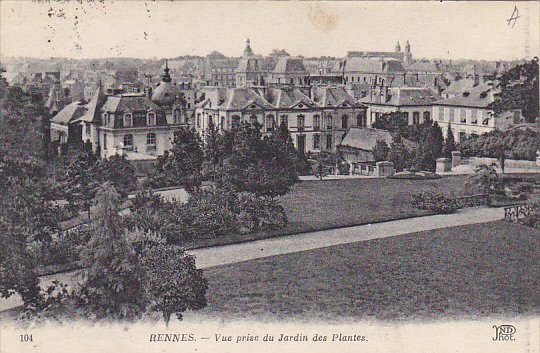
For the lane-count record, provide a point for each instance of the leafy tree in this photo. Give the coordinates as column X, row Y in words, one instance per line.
column 81, row 180
column 519, row 90
column 399, row 154
column 119, row 172
column 449, row 144
column 518, row 144
column 182, row 165
column 264, row 166
column 214, row 150
column 430, row 148
column 380, row 151
column 393, row 121
column 486, row 177
column 27, row 214
column 114, row 278
column 174, row 282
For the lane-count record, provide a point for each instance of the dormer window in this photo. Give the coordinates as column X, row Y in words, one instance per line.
column 128, row 120
column 151, row 119
column 105, row 119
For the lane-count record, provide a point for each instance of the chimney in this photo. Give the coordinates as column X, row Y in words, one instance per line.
column 476, row 80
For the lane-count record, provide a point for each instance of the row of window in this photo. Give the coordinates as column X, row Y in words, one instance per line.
column 361, row 121
column 128, row 119
column 448, row 114
column 128, row 142
column 301, row 142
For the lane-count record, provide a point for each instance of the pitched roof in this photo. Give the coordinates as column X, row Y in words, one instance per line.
column 373, row 65
column 289, row 64
column 477, row 98
column 69, row 113
column 92, row 108
column 406, row 96
column 131, row 102
column 365, row 138
column 423, row 66
column 240, row 98
column 329, row 96
column 288, row 98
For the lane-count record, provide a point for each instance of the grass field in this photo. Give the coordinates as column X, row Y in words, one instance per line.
column 316, row 205
column 467, row 271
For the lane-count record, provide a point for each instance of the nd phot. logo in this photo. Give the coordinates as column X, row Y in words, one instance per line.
column 504, row 333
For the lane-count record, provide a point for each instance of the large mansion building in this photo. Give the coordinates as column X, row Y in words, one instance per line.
column 317, row 119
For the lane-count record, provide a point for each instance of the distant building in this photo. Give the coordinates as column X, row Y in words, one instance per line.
column 373, row 71
column 129, row 123
column 414, row 102
column 470, row 113
column 316, row 118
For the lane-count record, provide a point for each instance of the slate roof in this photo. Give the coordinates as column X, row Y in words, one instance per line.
column 406, row 96
column 69, row 113
column 131, row 102
column 92, row 114
column 480, row 97
column 289, row 64
column 288, row 97
column 373, row 65
column 366, row 138
column 423, row 66
column 240, row 98
column 329, row 96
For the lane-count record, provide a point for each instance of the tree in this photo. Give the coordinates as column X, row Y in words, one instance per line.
column 399, row 154
column 174, row 282
column 263, row 166
column 81, row 180
column 114, row 279
column 119, row 172
column 449, row 144
column 486, row 177
column 380, row 151
column 182, row 165
column 213, row 150
column 393, row 122
column 430, row 148
column 519, row 90
column 27, row 214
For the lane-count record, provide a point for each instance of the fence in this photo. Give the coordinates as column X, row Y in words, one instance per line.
column 517, row 212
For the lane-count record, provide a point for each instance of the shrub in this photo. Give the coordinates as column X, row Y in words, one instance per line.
column 433, row 201
column 174, row 283
column 255, row 214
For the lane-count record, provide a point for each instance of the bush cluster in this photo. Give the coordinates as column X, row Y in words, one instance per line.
column 434, row 201
column 208, row 214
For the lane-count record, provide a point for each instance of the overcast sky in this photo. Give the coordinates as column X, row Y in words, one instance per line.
column 478, row 30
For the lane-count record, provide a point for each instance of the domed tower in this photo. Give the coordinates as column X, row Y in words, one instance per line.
column 398, row 47
column 247, row 50
column 165, row 93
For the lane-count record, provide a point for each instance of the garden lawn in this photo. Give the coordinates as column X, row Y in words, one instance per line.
column 467, row 271
column 317, row 205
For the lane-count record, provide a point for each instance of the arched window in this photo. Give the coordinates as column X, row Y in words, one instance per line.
column 128, row 142
column 151, row 119
column 361, row 120
column 253, row 119
column 128, row 119
column 284, row 119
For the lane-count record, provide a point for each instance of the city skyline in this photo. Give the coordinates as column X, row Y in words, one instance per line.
column 168, row 29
